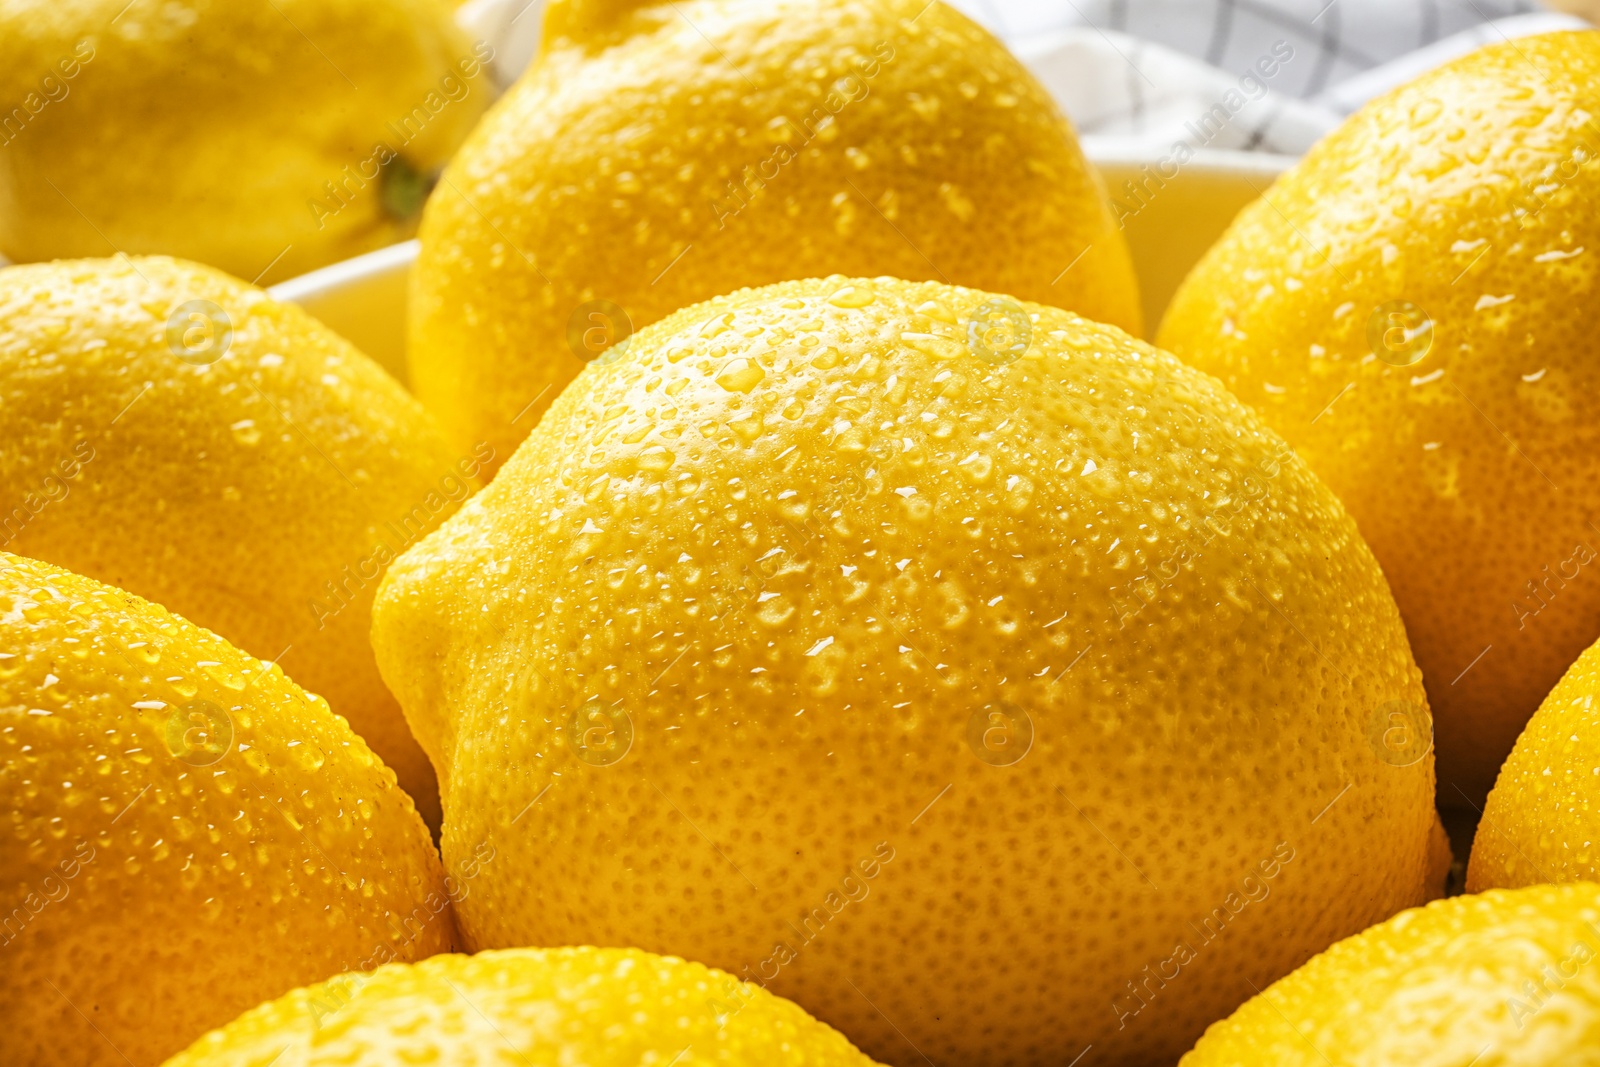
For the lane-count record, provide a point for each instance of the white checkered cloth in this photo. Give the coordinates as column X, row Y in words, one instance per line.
column 1260, row 75
column 1144, row 74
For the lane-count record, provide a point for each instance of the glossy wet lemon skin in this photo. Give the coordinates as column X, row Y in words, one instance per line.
column 186, row 831
column 180, row 434
column 1542, row 820
column 1469, row 194
column 602, row 1007
column 661, row 154
column 1503, row 979
column 730, row 661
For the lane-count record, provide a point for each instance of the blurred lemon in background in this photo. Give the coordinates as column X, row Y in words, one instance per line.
column 984, row 680
column 602, row 1007
column 265, row 137
column 179, row 434
column 1505, row 979
column 1542, row 821
column 187, row 832
column 1414, row 307
column 658, row 154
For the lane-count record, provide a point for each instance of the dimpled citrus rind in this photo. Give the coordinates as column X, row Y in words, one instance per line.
column 602, row 1007
column 941, row 693
column 179, row 434
column 1507, row 978
column 1542, row 820
column 186, row 831
column 343, row 108
column 1414, row 307
column 689, row 149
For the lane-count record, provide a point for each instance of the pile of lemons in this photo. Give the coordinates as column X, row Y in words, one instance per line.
column 792, row 619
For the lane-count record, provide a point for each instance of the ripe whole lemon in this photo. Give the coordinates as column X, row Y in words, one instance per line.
column 1542, row 821
column 984, row 680
column 601, row 1007
column 659, row 154
column 1504, row 979
column 264, row 137
column 187, row 832
column 177, row 433
column 1414, row 308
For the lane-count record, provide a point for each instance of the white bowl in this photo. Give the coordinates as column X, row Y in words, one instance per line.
column 1173, row 220
column 1170, row 219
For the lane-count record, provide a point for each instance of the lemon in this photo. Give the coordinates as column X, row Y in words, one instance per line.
column 265, row 137
column 601, row 1007
column 984, row 680
column 1504, row 979
column 1414, row 308
column 1542, row 820
column 187, row 831
column 179, row 434
column 658, row 154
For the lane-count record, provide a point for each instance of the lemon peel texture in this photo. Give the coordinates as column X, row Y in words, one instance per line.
column 187, row 832
column 177, row 433
column 987, row 682
column 659, row 154
column 602, row 1007
column 1414, row 307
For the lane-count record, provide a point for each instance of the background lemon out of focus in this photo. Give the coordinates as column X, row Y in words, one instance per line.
column 1136, row 86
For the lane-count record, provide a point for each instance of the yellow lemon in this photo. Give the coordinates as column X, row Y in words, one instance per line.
column 1542, row 821
column 601, row 1007
column 1505, row 979
column 982, row 679
column 1414, row 308
column 658, row 154
column 187, row 831
column 179, row 434
column 265, row 137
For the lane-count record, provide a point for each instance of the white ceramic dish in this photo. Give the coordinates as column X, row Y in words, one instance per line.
column 1171, row 216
